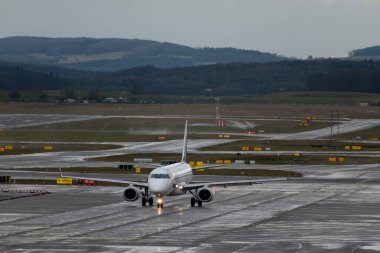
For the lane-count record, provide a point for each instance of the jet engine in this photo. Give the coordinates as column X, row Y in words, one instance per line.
column 205, row 194
column 131, row 193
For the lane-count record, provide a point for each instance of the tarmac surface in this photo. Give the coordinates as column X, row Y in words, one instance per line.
column 318, row 213
column 331, row 209
column 27, row 120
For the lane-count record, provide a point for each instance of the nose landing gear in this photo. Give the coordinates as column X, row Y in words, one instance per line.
column 160, row 202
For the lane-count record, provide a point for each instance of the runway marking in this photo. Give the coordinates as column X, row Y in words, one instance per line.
column 246, row 247
column 369, row 179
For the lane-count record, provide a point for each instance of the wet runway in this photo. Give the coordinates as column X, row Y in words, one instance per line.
column 26, row 120
column 331, row 209
column 311, row 215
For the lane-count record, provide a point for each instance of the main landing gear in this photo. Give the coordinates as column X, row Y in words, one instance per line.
column 146, row 199
column 193, row 201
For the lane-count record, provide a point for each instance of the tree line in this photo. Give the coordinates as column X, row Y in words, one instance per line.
column 218, row 79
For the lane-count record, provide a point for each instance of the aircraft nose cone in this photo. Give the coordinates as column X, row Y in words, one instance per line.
column 158, row 187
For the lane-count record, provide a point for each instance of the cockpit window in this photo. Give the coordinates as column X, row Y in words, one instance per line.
column 160, row 176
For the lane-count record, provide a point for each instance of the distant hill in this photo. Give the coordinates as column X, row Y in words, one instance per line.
column 118, row 54
column 365, row 53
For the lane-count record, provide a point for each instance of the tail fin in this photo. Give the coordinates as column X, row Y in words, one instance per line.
column 184, row 148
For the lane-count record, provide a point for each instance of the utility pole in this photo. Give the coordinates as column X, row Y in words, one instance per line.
column 217, row 111
column 331, row 126
column 338, row 122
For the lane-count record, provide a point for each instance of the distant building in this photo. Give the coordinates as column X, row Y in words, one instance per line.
column 373, row 104
column 110, row 100
column 70, row 100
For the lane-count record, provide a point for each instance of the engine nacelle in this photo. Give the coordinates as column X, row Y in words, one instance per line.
column 205, row 194
column 131, row 193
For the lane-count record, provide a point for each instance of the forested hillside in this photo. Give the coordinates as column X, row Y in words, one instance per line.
column 360, row 80
column 118, row 54
column 17, row 78
column 249, row 79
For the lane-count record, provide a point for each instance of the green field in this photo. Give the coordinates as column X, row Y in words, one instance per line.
column 283, row 104
column 292, row 145
column 30, row 148
column 366, row 134
column 123, row 129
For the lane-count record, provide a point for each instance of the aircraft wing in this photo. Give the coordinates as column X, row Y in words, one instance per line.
column 229, row 183
column 208, row 166
column 118, row 181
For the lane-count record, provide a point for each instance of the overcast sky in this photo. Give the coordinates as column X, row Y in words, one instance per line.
column 298, row 28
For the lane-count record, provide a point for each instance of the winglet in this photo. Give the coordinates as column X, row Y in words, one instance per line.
column 184, row 148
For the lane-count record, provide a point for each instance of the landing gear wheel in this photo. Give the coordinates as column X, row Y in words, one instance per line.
column 192, row 202
column 150, row 200
column 143, row 201
column 160, row 205
column 199, row 203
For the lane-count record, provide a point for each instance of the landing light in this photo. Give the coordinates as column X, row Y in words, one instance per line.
column 159, row 201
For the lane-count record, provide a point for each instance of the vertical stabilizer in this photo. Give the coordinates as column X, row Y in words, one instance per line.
column 184, row 148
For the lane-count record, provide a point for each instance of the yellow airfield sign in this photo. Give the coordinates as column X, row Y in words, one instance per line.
column 64, row 180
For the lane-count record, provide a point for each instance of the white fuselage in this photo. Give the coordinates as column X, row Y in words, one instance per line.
column 167, row 180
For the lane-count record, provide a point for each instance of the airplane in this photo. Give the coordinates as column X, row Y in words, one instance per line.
column 172, row 180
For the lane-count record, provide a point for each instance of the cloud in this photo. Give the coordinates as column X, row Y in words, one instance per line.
column 350, row 2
